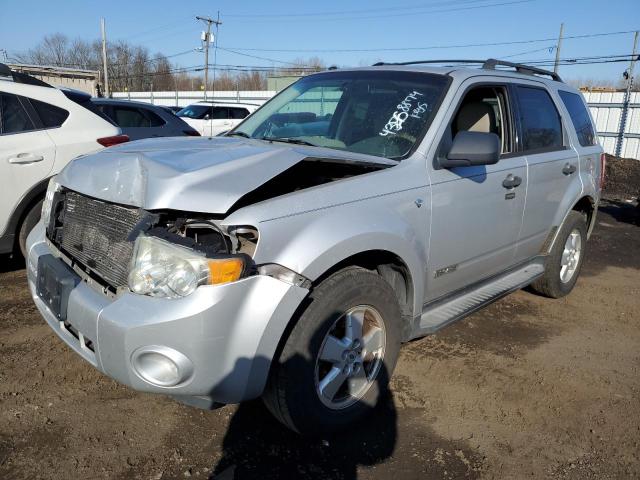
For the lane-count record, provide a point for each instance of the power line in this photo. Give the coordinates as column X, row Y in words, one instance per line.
column 419, row 6
column 432, row 47
column 388, row 15
column 258, row 57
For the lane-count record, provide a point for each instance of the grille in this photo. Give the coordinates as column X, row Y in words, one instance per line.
column 95, row 234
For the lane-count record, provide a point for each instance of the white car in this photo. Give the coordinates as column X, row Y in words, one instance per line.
column 214, row 118
column 42, row 128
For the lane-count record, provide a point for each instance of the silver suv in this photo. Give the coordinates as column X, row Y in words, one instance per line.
column 288, row 260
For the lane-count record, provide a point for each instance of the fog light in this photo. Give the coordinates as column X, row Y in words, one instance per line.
column 162, row 366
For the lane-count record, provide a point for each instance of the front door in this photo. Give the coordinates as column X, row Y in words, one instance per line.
column 476, row 211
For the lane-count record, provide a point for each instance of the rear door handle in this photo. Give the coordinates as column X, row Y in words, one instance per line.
column 569, row 168
column 511, row 181
column 26, row 158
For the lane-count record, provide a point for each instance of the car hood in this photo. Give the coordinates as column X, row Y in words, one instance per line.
column 191, row 174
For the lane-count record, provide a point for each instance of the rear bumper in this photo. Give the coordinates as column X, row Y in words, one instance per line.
column 228, row 333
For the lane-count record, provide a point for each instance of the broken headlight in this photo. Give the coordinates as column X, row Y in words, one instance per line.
column 52, row 188
column 163, row 269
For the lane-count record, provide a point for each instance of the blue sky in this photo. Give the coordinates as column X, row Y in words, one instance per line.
column 170, row 27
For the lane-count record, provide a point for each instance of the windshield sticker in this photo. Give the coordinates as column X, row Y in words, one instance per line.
column 404, row 110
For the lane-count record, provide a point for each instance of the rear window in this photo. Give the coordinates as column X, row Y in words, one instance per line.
column 50, row 115
column 579, row 117
column 540, row 120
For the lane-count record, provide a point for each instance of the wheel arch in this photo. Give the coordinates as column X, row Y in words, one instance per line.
column 21, row 210
column 393, row 269
column 586, row 205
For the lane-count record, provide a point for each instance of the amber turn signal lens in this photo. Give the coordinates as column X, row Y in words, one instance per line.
column 225, row 270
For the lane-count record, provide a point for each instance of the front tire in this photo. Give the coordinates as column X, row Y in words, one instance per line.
column 563, row 265
column 339, row 356
column 29, row 221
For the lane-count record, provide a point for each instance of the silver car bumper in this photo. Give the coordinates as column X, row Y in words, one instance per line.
column 228, row 333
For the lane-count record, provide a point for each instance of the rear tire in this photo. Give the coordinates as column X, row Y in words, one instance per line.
column 564, row 262
column 348, row 333
column 30, row 220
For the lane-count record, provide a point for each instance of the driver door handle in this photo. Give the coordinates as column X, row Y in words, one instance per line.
column 26, row 158
column 511, row 181
column 569, row 168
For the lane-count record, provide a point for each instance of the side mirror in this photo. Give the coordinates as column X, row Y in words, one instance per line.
column 207, row 117
column 472, row 148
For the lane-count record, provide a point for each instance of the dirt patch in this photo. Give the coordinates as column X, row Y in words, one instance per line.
column 622, row 178
column 528, row 387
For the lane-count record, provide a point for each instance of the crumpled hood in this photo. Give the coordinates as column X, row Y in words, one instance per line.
column 190, row 174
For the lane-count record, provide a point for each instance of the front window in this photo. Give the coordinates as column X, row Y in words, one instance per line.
column 382, row 113
column 194, row 111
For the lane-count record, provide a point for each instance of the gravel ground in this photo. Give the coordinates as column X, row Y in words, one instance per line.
column 527, row 388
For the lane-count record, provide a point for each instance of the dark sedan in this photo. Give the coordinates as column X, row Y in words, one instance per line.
column 143, row 120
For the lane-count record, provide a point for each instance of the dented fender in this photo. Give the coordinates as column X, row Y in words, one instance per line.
column 312, row 242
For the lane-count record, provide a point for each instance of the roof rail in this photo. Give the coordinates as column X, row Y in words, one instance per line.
column 417, row 62
column 489, row 64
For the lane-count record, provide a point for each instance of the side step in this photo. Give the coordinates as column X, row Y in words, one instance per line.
column 440, row 314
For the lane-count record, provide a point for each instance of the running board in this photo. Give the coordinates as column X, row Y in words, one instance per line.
column 439, row 315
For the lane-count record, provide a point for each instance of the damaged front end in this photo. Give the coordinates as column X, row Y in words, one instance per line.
column 163, row 254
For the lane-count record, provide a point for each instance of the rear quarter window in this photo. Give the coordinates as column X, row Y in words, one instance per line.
column 539, row 119
column 50, row 115
column 579, row 117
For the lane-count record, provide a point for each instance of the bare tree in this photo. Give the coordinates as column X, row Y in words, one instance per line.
column 133, row 68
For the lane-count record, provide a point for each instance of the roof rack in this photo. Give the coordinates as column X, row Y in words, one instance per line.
column 489, row 64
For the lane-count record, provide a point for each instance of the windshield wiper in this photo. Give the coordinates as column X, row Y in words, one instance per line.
column 237, row 134
column 295, row 141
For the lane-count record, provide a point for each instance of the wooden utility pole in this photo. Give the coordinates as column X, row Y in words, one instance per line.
column 558, row 46
column 207, row 39
column 104, row 57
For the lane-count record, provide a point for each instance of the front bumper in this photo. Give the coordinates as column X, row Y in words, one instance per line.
column 228, row 332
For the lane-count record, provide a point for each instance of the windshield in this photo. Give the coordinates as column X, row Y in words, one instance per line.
column 194, row 111
column 382, row 113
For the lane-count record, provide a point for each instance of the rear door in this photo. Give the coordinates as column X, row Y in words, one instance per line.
column 552, row 164
column 27, row 153
column 585, row 139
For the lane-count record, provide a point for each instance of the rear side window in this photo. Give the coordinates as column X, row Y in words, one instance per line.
column 128, row 117
column 14, row 118
column 540, row 120
column 154, row 119
column 50, row 115
column 238, row 113
column 579, row 117
column 220, row 113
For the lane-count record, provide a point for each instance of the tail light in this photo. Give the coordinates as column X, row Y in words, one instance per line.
column 191, row 133
column 603, row 167
column 114, row 140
